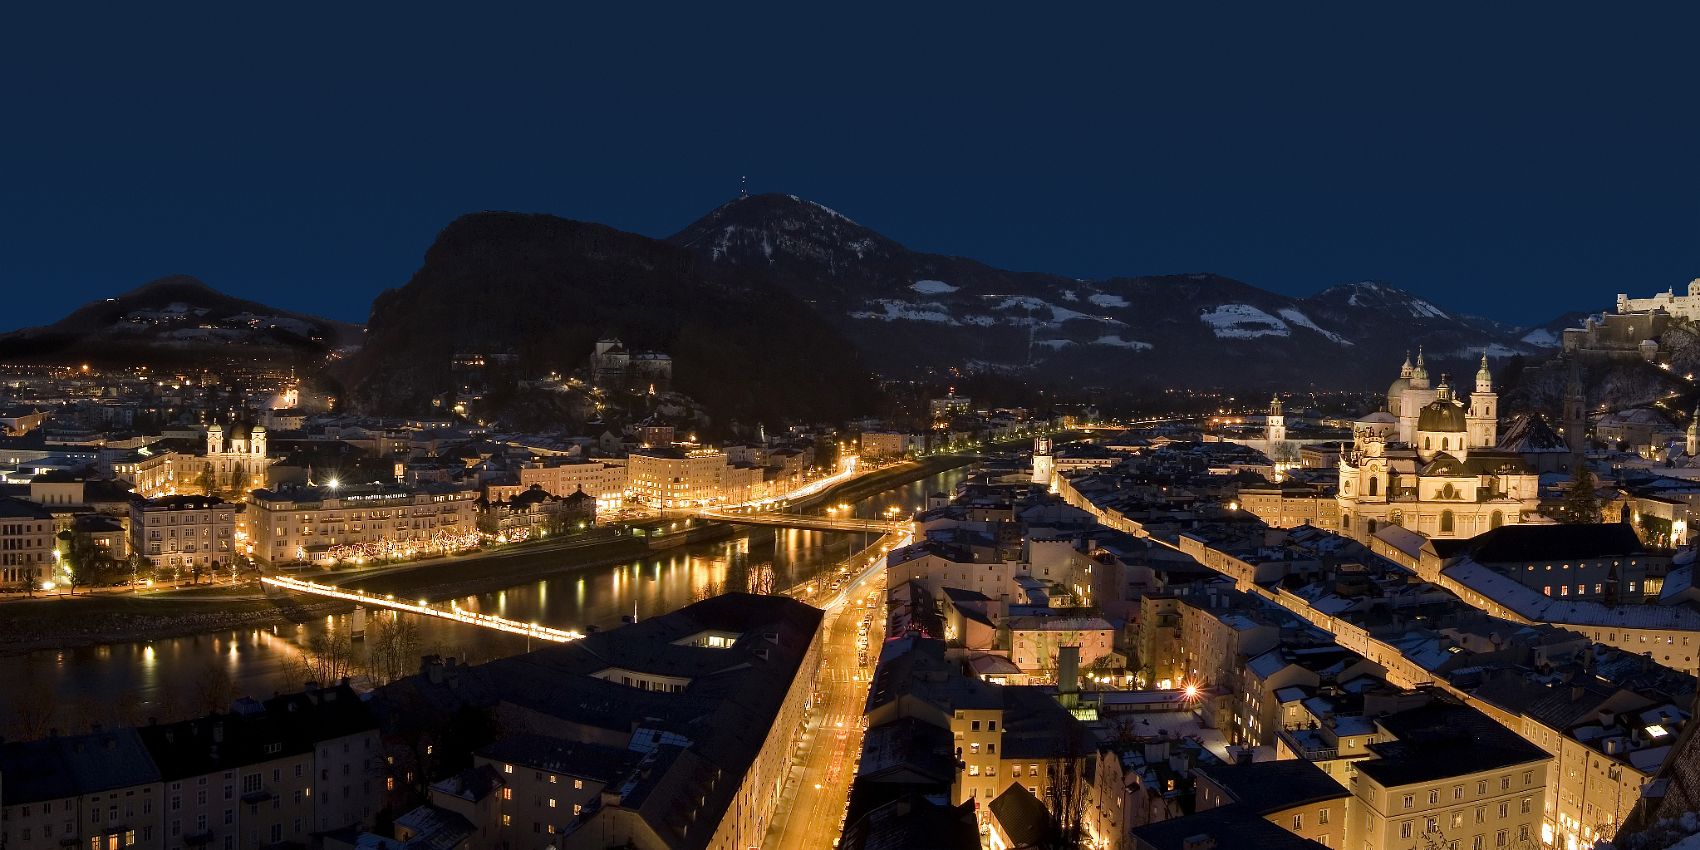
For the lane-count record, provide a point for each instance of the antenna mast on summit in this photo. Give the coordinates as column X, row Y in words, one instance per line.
column 743, row 188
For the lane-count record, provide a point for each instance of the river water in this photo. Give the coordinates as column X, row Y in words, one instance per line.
column 124, row 683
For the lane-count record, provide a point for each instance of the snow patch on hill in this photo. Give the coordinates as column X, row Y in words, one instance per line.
column 1117, row 341
column 1304, row 321
column 1104, row 299
column 891, row 310
column 932, row 287
column 1243, row 321
column 1036, row 308
column 1494, row 350
column 1541, row 338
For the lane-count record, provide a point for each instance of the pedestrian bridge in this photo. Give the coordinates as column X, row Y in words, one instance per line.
column 453, row 612
column 810, row 522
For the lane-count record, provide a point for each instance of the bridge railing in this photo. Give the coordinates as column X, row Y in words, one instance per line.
column 454, row 612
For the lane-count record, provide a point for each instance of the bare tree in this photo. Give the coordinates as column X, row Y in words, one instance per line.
column 392, row 647
column 708, row 590
column 213, row 688
column 32, row 711
column 325, row 658
column 761, row 579
column 1067, row 790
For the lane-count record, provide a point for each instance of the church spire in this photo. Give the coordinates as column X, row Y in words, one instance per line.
column 1419, row 375
column 1484, row 378
column 1405, row 370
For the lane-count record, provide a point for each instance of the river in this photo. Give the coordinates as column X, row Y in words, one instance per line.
column 125, row 683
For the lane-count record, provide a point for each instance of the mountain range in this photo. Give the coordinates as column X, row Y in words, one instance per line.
column 911, row 312
column 773, row 306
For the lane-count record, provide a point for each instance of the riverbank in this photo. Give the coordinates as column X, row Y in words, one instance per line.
column 63, row 623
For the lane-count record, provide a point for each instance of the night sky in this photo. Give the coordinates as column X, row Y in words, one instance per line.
column 1514, row 162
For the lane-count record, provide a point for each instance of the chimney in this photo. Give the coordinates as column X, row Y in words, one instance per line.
column 1068, row 669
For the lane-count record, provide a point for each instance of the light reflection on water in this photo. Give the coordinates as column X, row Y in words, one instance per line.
column 129, row 682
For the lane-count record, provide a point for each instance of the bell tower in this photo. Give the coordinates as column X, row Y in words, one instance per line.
column 1275, row 427
column 1483, row 417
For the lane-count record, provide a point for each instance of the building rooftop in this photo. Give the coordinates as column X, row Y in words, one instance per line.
column 1232, row 827
column 1441, row 740
column 1523, row 543
column 1270, row 786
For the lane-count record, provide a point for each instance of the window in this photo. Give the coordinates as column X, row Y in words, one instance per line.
column 1528, row 802
column 1298, row 822
column 1528, row 777
column 1408, row 802
column 1505, row 782
column 974, row 726
column 1433, row 796
column 1405, row 829
column 1446, row 522
column 1457, row 792
column 1504, row 810
column 1322, row 817
column 1499, row 838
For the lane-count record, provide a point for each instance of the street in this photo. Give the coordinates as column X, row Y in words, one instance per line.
column 819, row 786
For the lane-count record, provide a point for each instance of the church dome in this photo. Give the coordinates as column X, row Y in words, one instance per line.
column 1397, row 391
column 1442, row 415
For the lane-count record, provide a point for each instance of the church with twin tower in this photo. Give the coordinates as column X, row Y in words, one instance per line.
column 1431, row 463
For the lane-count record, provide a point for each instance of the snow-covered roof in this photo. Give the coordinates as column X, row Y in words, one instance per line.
column 1538, row 607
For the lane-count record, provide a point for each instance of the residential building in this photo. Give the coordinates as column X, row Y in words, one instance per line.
column 183, row 532
column 26, row 543
column 99, row 791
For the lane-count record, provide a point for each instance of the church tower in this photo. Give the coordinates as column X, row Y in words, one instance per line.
column 1419, row 375
column 215, row 439
column 1484, row 410
column 1275, row 431
column 1694, row 433
column 1044, row 463
column 1575, row 413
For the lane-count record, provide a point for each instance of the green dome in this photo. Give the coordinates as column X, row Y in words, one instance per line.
column 1441, row 416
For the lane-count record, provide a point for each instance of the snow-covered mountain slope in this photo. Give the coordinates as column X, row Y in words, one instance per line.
column 912, row 312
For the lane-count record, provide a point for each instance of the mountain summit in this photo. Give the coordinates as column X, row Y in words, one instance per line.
column 177, row 319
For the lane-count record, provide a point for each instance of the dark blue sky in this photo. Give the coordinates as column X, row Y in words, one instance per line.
column 1516, row 162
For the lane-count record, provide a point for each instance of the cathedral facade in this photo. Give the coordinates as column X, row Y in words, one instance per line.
column 237, row 460
column 1431, row 463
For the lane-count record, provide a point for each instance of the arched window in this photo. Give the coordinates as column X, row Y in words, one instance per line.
column 1497, row 520
column 1371, row 527
column 1428, row 443
column 1374, row 488
column 1346, row 522
column 1398, row 518
column 1445, row 522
